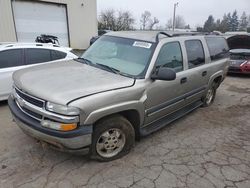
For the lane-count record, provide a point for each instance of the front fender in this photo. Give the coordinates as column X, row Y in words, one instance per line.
column 117, row 108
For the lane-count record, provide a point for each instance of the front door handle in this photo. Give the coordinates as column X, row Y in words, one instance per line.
column 183, row 80
column 204, row 73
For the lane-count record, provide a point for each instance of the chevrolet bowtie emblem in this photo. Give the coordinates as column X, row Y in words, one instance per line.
column 21, row 102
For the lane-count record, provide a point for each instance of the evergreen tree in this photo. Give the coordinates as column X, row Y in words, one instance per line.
column 229, row 22
column 209, row 25
column 224, row 25
column 218, row 25
column 243, row 22
column 234, row 22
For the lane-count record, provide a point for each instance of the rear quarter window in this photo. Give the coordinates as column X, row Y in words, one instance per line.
column 218, row 48
column 55, row 55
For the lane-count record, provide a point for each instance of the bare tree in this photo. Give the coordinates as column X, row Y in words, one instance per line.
column 145, row 19
column 116, row 20
column 147, row 22
column 169, row 24
column 179, row 22
column 107, row 19
column 124, row 21
column 152, row 23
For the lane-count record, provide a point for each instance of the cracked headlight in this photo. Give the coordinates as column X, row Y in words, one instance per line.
column 62, row 109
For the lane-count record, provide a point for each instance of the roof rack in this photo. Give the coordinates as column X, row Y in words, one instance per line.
column 187, row 34
column 161, row 33
column 178, row 34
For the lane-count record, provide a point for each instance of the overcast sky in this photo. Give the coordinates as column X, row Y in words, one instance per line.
column 195, row 12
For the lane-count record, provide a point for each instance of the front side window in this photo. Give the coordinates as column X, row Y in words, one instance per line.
column 170, row 56
column 195, row 53
column 128, row 56
column 34, row 56
column 11, row 58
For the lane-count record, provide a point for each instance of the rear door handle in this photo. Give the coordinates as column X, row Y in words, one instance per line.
column 204, row 73
column 183, row 80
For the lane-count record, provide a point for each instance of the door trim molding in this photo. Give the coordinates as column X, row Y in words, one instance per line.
column 160, row 107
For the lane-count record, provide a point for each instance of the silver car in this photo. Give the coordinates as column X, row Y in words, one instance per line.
column 15, row 56
column 126, row 85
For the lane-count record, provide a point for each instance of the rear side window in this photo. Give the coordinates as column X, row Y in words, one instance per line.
column 55, row 55
column 170, row 56
column 34, row 56
column 11, row 58
column 195, row 53
column 218, row 48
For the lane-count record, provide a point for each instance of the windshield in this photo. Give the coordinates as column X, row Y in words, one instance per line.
column 128, row 56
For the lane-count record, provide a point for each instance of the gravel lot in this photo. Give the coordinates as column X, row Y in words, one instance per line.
column 208, row 148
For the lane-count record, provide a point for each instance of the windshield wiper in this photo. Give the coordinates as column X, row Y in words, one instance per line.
column 86, row 61
column 114, row 70
column 108, row 68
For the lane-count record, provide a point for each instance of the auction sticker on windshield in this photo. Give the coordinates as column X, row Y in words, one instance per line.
column 142, row 44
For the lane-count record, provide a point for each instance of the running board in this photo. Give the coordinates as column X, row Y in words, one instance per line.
column 169, row 119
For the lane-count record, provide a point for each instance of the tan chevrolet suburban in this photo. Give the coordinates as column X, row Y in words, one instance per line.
column 126, row 85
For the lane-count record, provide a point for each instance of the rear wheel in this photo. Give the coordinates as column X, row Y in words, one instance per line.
column 113, row 138
column 208, row 99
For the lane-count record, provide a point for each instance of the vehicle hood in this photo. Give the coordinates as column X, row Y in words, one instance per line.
column 239, row 41
column 65, row 81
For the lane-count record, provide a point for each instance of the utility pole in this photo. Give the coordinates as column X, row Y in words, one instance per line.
column 175, row 6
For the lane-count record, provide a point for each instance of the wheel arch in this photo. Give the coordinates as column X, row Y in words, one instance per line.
column 216, row 78
column 133, row 112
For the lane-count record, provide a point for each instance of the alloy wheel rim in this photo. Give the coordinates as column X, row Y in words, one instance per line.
column 209, row 96
column 110, row 143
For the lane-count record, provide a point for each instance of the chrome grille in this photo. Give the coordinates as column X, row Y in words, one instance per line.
column 32, row 100
column 35, row 108
column 22, row 99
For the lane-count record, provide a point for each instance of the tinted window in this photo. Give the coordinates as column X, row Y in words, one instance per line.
column 11, row 58
column 101, row 32
column 34, row 56
column 55, row 55
column 218, row 48
column 195, row 53
column 171, row 56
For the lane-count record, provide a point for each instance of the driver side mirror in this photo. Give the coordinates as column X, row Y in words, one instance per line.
column 164, row 73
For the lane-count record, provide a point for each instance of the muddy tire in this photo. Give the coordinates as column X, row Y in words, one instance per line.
column 208, row 99
column 113, row 138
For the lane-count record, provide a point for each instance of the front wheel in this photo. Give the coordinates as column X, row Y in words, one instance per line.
column 208, row 99
column 112, row 138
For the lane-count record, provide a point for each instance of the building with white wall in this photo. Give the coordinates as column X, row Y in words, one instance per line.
column 74, row 22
